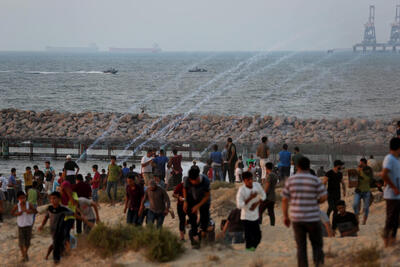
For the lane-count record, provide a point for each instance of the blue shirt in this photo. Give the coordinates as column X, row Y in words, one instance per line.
column 284, row 158
column 393, row 165
column 11, row 180
column 125, row 172
column 161, row 161
column 216, row 157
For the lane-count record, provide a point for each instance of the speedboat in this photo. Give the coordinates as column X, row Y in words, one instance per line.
column 111, row 71
column 197, row 70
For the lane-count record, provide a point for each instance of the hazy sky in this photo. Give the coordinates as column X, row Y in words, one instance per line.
column 188, row 25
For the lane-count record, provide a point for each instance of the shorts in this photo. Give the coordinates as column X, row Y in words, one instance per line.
column 24, row 236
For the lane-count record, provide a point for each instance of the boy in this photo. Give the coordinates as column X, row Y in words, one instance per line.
column 24, row 211
column 56, row 213
column 346, row 222
column 232, row 228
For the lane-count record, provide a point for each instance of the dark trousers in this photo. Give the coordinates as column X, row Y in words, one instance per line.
column 153, row 216
column 252, row 233
column 204, row 219
column 78, row 226
column 332, row 206
column 392, row 218
column 225, row 171
column 314, row 231
column 132, row 217
column 27, row 187
column 12, row 196
column 267, row 205
column 58, row 247
column 231, row 172
column 71, row 179
column 182, row 218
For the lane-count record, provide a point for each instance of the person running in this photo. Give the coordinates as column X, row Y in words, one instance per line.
column 248, row 199
column 133, row 200
column 70, row 200
column 71, row 170
column 345, row 222
column 297, row 155
column 333, row 179
column 113, row 174
column 269, row 188
column 263, row 155
column 147, row 168
column 391, row 177
column 217, row 164
column 95, row 183
column 232, row 228
column 28, row 178
column 56, row 213
column 363, row 190
column 50, row 176
column 284, row 163
column 86, row 207
column 232, row 158
column 159, row 204
column 160, row 162
column 175, row 163
column 178, row 195
column 11, row 186
column 302, row 194
column 24, row 211
column 196, row 195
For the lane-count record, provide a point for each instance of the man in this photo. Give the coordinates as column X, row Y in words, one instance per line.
column 263, row 154
column 334, row 178
column 232, row 158
column 71, row 170
column 303, row 192
column 28, row 179
column 86, row 207
column 147, row 169
column 11, row 186
column 159, row 204
column 297, row 155
column 346, row 222
column 133, row 200
column 391, row 176
column 284, row 163
column 175, row 163
column 113, row 175
column 269, row 188
column 50, row 175
column 83, row 190
column 159, row 163
column 217, row 162
column 125, row 171
column 178, row 195
column 196, row 195
column 363, row 190
column 39, row 177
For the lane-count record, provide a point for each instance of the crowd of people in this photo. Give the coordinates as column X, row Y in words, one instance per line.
column 74, row 199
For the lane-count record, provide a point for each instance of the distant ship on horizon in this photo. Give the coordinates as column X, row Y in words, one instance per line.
column 92, row 48
column 155, row 49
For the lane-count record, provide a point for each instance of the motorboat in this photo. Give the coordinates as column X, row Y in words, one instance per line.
column 197, row 70
column 111, row 71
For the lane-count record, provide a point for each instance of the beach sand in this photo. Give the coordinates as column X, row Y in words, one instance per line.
column 277, row 247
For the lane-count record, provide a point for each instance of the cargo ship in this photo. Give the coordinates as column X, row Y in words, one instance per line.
column 154, row 49
column 92, row 48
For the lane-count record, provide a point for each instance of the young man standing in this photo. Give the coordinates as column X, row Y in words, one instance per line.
column 217, row 164
column 248, row 198
column 363, row 190
column 391, row 176
column 113, row 175
column 269, row 188
column 346, row 222
column 232, row 158
column 284, row 163
column 11, row 186
column 302, row 194
column 333, row 179
column 263, row 154
column 50, row 175
column 133, row 200
column 147, row 168
column 160, row 162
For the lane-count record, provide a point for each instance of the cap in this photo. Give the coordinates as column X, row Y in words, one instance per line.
column 69, row 157
column 338, row 162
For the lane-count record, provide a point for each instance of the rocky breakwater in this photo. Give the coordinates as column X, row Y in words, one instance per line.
column 205, row 128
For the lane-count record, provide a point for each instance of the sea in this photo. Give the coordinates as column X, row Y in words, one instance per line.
column 287, row 83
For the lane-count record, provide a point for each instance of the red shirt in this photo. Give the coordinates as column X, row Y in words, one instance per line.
column 176, row 164
column 134, row 195
column 179, row 191
column 96, row 180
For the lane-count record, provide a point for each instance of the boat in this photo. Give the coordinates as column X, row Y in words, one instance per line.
column 197, row 70
column 111, row 71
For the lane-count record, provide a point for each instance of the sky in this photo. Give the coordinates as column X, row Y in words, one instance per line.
column 188, row 25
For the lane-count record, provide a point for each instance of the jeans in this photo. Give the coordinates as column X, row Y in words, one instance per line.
column 12, row 197
column 111, row 184
column 204, row 219
column 392, row 218
column 252, row 233
column 71, row 179
column 365, row 196
column 314, row 231
column 218, row 173
column 95, row 195
column 234, row 237
column 132, row 217
column 182, row 218
column 152, row 216
column 269, row 205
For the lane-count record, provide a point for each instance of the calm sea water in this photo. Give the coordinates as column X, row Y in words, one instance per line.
column 306, row 84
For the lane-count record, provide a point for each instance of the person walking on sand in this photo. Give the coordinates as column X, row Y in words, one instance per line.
column 24, row 211
column 71, row 170
column 133, row 200
column 263, row 155
column 113, row 174
column 269, row 188
column 178, row 195
column 302, row 194
column 232, row 158
column 11, row 186
column 333, row 179
column 175, row 162
column 391, row 176
column 248, row 199
column 363, row 190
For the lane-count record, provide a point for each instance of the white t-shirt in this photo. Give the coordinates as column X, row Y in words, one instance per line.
column 4, row 182
column 243, row 194
column 393, row 165
column 148, row 168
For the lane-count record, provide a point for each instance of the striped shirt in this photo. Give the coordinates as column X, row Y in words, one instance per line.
column 303, row 191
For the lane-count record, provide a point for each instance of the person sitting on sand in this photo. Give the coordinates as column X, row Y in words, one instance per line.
column 248, row 199
column 133, row 200
column 232, row 228
column 345, row 222
column 24, row 211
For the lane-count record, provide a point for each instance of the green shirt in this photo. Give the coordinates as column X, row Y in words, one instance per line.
column 113, row 173
column 364, row 179
column 32, row 196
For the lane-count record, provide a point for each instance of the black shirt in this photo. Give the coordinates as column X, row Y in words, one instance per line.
column 39, row 175
column 70, row 165
column 235, row 224
column 345, row 223
column 195, row 193
column 334, row 181
column 56, row 215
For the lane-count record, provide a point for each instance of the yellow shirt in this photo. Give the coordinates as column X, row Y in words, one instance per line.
column 28, row 179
